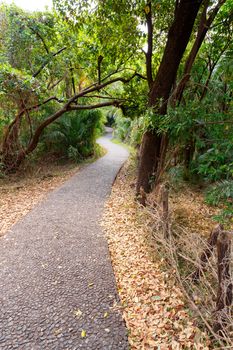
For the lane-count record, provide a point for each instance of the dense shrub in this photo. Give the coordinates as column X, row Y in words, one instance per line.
column 137, row 130
column 130, row 130
column 74, row 134
column 122, row 127
column 216, row 162
column 221, row 194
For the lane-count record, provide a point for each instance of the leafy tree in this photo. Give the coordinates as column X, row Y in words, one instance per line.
column 181, row 25
column 56, row 76
column 203, row 98
column 79, row 63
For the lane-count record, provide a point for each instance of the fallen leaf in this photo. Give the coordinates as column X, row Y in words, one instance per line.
column 151, row 302
column 156, row 297
column 78, row 313
column 83, row 334
column 57, row 331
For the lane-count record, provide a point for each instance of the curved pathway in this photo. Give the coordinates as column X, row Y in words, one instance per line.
column 57, row 287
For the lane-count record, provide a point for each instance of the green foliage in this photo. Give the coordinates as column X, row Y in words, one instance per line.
column 127, row 129
column 44, row 58
column 74, row 154
column 78, row 29
column 74, row 134
column 138, row 127
column 14, row 84
column 122, row 126
column 200, row 127
column 132, row 130
column 216, row 163
column 221, row 194
column 176, row 176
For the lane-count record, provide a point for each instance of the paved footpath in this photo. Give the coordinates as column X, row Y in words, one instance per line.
column 57, row 287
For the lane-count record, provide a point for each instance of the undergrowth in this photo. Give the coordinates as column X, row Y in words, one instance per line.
column 221, row 194
column 181, row 253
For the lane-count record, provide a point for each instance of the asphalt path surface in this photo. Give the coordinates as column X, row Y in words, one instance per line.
column 57, row 287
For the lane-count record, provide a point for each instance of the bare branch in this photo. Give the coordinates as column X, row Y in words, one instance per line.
column 100, row 59
column 72, row 78
column 47, row 61
column 40, row 37
column 106, row 97
column 71, row 105
column 55, row 84
column 115, row 103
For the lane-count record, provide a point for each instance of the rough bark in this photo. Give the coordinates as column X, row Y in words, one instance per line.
column 149, row 154
column 162, row 157
column 178, row 38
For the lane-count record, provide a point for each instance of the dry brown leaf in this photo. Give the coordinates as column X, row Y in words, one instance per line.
column 153, row 307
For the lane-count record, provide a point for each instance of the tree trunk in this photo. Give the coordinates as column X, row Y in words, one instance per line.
column 178, row 38
column 162, row 157
column 12, row 151
column 188, row 156
column 207, row 253
column 225, row 289
column 149, row 154
column 201, row 34
column 13, row 154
